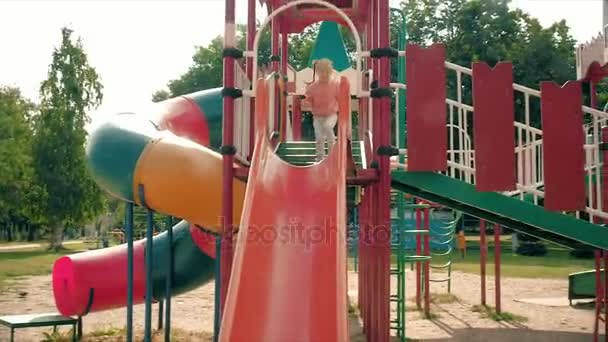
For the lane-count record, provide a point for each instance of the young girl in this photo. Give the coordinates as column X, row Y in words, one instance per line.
column 322, row 95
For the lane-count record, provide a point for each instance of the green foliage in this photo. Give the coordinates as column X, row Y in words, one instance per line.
column 57, row 336
column 488, row 31
column 490, row 312
column 160, row 95
column 207, row 69
column 72, row 88
column 18, row 193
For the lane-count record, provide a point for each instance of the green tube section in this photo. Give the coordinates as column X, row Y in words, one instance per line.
column 191, row 266
column 111, row 170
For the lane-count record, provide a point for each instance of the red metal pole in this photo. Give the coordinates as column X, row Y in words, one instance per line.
column 605, row 295
column 297, row 118
column 275, row 67
column 599, row 294
column 228, row 159
column 284, row 55
column 251, row 31
column 418, row 252
column 427, row 264
column 605, row 173
column 497, row 249
column 483, row 254
column 593, row 95
column 374, row 314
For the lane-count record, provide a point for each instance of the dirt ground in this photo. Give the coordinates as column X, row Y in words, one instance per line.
column 193, row 312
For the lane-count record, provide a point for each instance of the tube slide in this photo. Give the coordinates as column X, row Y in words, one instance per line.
column 104, row 271
column 288, row 280
column 139, row 159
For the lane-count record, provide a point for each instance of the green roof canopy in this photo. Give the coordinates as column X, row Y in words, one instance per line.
column 329, row 44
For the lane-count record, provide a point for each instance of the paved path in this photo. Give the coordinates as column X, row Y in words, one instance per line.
column 11, row 248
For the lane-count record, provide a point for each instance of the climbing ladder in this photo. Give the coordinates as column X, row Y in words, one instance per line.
column 421, row 257
column 443, row 236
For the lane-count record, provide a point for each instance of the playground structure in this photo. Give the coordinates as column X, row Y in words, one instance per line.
column 259, row 177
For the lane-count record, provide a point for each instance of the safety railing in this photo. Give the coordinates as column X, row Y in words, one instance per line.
column 528, row 144
column 242, row 117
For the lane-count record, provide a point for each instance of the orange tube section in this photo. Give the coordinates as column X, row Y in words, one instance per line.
column 288, row 281
column 184, row 179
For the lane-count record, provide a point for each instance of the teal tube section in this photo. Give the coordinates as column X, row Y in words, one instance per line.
column 210, row 102
column 111, row 170
column 191, row 266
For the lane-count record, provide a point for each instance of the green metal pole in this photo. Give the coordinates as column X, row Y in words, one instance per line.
column 169, row 227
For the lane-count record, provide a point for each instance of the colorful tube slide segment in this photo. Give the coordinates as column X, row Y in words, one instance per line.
column 289, row 274
column 97, row 280
column 141, row 159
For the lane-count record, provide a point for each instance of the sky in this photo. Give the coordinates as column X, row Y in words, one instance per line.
column 138, row 46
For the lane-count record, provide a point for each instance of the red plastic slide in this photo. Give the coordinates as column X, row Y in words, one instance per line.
column 288, row 281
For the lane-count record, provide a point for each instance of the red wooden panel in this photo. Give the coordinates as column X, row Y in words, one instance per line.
column 563, row 152
column 426, row 108
column 493, row 127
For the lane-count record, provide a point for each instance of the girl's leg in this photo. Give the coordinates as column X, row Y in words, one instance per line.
column 319, row 137
column 328, row 127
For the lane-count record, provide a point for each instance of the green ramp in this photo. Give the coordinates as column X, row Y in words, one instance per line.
column 510, row 212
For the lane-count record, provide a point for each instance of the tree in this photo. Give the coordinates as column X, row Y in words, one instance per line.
column 17, row 190
column 488, row 31
column 160, row 95
column 73, row 87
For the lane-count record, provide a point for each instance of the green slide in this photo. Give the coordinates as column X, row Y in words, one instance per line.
column 514, row 213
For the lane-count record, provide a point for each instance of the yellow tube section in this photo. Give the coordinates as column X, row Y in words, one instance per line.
column 184, row 179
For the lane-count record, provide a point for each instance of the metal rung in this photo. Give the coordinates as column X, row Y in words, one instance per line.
column 439, row 280
column 416, row 206
column 417, row 258
column 416, row 231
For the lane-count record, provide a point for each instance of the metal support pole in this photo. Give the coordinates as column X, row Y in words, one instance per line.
column 427, row 264
column 161, row 311
column 148, row 251
column 217, row 313
column 297, row 118
column 483, row 254
column 283, row 114
column 497, row 251
column 274, row 46
column 599, row 293
column 251, row 31
column 384, row 177
column 418, row 252
column 169, row 279
column 228, row 159
column 129, row 237
column 605, row 295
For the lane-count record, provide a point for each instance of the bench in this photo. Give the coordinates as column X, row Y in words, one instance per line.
column 40, row 320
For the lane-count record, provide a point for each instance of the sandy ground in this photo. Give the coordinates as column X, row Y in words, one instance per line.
column 455, row 322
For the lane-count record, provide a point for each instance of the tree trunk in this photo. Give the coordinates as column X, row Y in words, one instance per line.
column 56, row 237
column 9, row 231
column 31, row 232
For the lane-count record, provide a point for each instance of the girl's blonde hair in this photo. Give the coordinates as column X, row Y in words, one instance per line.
column 324, row 65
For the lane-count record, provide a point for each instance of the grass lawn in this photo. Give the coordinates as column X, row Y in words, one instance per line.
column 557, row 263
column 15, row 243
column 27, row 262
